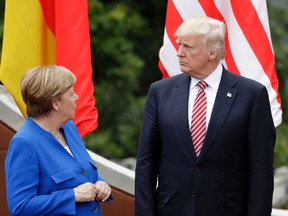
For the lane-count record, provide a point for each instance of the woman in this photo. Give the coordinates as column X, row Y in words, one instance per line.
column 48, row 170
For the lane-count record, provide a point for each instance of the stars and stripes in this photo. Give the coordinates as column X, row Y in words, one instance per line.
column 249, row 50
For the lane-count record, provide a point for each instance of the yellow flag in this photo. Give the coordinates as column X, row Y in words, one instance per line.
column 27, row 42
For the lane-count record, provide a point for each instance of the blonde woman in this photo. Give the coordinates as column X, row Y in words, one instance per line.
column 48, row 170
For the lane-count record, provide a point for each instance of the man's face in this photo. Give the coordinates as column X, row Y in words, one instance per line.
column 193, row 56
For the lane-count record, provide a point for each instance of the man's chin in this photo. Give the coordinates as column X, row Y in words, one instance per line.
column 183, row 69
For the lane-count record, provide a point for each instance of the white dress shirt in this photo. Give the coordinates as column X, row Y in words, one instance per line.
column 213, row 81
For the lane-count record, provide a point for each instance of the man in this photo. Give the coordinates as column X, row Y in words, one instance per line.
column 207, row 158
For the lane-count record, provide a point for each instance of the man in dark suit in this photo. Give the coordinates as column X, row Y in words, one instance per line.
column 229, row 172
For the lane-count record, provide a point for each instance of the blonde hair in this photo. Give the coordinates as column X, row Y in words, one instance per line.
column 43, row 85
column 211, row 30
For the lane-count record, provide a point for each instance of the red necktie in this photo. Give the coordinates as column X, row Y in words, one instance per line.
column 198, row 125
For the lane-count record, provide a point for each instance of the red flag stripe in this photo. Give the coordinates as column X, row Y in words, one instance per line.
column 68, row 21
column 172, row 22
column 174, row 19
column 212, row 11
column 48, row 8
column 163, row 70
column 74, row 52
column 250, row 23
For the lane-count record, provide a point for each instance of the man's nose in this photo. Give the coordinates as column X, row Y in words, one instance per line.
column 180, row 51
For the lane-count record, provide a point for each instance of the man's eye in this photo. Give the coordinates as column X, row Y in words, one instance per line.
column 188, row 47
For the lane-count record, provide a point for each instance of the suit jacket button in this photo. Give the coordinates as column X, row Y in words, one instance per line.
column 83, row 172
column 95, row 210
column 196, row 168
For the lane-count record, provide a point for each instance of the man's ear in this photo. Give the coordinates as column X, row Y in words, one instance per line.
column 213, row 54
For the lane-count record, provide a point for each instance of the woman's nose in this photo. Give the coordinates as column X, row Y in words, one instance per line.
column 76, row 97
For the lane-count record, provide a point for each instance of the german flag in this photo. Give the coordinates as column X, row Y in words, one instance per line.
column 43, row 32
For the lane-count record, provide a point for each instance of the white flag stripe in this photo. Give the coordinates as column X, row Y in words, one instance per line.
column 188, row 8
column 263, row 16
column 248, row 63
column 168, row 56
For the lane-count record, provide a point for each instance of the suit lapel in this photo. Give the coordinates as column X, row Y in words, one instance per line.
column 223, row 103
column 180, row 111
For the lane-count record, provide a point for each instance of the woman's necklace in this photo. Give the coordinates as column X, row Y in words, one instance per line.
column 58, row 135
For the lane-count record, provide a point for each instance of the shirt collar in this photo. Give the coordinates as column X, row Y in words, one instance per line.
column 213, row 80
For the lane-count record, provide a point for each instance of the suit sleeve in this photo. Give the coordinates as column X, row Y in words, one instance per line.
column 22, row 182
column 147, row 159
column 261, row 141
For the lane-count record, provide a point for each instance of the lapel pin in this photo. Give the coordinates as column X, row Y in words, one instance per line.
column 229, row 95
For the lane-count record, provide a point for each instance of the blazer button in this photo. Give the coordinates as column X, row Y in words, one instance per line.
column 195, row 194
column 83, row 172
column 95, row 210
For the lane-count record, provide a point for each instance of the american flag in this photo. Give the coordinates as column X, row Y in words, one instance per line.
column 249, row 50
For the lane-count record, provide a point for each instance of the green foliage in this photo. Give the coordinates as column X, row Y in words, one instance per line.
column 120, row 140
column 279, row 25
column 281, row 147
column 115, row 29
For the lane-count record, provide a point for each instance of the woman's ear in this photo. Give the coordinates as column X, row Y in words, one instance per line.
column 56, row 104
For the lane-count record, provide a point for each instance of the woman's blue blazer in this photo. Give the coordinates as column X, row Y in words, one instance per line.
column 41, row 174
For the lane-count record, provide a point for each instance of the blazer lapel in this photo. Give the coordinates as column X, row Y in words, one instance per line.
column 180, row 111
column 222, row 105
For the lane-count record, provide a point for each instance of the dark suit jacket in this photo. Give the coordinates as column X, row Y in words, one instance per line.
column 233, row 176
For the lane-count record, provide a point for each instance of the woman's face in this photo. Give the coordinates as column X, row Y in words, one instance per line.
column 67, row 104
